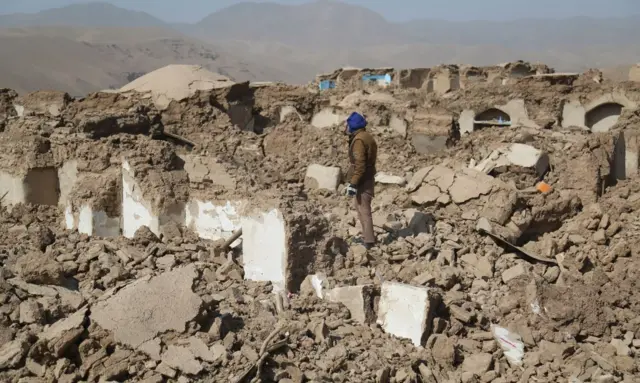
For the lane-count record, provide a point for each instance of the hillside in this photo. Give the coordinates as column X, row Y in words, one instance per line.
column 82, row 60
column 87, row 47
column 83, row 15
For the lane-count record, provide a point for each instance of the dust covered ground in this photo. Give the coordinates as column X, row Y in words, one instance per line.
column 553, row 297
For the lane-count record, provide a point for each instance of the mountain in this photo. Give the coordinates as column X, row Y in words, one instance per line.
column 314, row 25
column 82, row 60
column 531, row 33
column 82, row 15
column 87, row 47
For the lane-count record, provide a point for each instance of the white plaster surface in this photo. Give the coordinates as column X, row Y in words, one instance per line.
column 68, row 177
column 264, row 248
column 135, row 210
column 527, row 156
column 212, row 221
column 97, row 223
column 12, row 188
column 323, row 177
column 466, row 121
column 573, row 114
column 403, row 310
column 326, row 118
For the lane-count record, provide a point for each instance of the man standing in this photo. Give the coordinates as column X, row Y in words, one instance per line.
column 363, row 151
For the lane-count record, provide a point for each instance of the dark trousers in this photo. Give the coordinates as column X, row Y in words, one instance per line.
column 362, row 204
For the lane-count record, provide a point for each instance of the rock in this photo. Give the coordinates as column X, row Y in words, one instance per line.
column 483, row 224
column 477, row 364
column 358, row 299
column 388, row 179
column 181, row 358
column 147, row 307
column 200, row 350
column 600, row 237
column 31, row 312
column 470, row 186
column 12, row 353
column 407, row 311
column 417, row 179
column 426, row 194
column 166, row 262
column 165, row 370
column 60, row 335
column 322, row 177
column 513, row 273
column 621, row 348
column 39, row 268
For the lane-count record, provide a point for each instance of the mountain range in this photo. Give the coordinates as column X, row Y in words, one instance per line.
column 87, row 47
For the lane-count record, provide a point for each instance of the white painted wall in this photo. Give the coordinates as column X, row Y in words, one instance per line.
column 212, row 221
column 264, row 248
column 403, row 310
column 12, row 188
column 136, row 212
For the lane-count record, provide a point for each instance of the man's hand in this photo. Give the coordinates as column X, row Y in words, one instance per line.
column 351, row 190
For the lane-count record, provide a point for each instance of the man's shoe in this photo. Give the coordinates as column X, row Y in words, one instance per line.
column 369, row 246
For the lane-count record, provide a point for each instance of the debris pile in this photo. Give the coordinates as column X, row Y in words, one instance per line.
column 208, row 239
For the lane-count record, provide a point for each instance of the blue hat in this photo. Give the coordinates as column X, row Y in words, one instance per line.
column 356, row 122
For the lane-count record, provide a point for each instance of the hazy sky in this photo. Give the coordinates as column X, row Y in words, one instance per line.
column 396, row 10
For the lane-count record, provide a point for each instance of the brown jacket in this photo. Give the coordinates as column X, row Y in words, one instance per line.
column 363, row 152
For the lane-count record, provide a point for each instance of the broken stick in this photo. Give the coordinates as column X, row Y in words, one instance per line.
column 517, row 249
column 231, row 239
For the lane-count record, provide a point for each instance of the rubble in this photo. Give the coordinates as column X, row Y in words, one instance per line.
column 114, row 209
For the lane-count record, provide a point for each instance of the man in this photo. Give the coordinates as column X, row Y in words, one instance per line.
column 363, row 151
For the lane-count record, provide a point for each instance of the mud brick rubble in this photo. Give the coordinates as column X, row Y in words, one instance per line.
column 507, row 209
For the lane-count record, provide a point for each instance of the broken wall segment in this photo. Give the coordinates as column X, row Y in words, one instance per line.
column 599, row 115
column 211, row 220
column 407, row 311
column 139, row 211
column 92, row 203
column 322, row 177
column 280, row 243
column 147, row 307
column 38, row 186
column 358, row 299
column 522, row 155
column 431, row 131
column 513, row 113
column 42, row 103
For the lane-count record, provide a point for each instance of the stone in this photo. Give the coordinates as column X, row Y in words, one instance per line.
column 426, row 194
column 388, row 179
column 466, row 187
column 12, row 353
column 477, row 364
column 322, row 177
column 417, row 179
column 166, row 262
column 181, row 358
column 39, row 268
column 200, row 350
column 358, row 299
column 621, row 348
column 60, row 335
column 600, row 237
column 407, row 311
column 147, row 307
column 483, row 224
column 31, row 312
column 165, row 370
column 513, row 273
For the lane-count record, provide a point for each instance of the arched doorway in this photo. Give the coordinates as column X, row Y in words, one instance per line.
column 603, row 117
column 491, row 117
